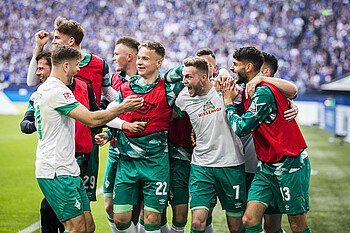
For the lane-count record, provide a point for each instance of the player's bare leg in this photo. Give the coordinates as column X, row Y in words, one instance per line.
column 199, row 218
column 298, row 223
column 272, row 222
column 235, row 224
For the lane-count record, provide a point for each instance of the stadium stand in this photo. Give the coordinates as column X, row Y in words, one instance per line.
column 311, row 39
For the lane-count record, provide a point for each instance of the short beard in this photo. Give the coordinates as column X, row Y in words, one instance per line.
column 242, row 77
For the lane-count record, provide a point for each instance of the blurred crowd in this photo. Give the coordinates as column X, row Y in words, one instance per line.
column 311, row 39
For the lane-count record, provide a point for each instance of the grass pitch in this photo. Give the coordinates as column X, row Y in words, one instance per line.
column 20, row 195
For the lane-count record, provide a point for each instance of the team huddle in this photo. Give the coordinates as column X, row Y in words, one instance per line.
column 186, row 137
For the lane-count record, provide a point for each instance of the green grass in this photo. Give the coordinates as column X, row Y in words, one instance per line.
column 20, row 195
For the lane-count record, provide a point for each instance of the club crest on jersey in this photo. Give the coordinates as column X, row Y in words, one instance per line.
column 77, row 204
column 252, row 107
column 68, row 95
column 208, row 106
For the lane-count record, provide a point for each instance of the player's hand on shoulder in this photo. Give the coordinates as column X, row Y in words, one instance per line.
column 101, row 139
column 251, row 85
column 132, row 103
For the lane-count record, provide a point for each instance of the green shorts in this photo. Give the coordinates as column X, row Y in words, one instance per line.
column 228, row 183
column 248, row 180
column 109, row 178
column 66, row 195
column 151, row 175
column 90, row 177
column 289, row 191
column 179, row 175
column 270, row 209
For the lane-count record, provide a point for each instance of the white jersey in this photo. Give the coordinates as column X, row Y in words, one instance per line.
column 55, row 153
column 216, row 144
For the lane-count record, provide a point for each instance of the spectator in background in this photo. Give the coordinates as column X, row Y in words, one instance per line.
column 306, row 37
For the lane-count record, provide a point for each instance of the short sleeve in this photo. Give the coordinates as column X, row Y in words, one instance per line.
column 64, row 101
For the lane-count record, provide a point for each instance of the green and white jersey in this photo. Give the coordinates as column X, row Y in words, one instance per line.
column 55, row 152
column 216, row 144
column 154, row 143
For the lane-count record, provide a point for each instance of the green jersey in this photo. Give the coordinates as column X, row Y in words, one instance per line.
column 154, row 143
column 263, row 109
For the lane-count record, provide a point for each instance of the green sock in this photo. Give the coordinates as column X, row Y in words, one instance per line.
column 280, row 230
column 110, row 219
column 254, row 229
column 306, row 230
column 125, row 226
column 179, row 224
column 142, row 222
column 163, row 222
column 152, row 227
column 209, row 220
column 194, row 231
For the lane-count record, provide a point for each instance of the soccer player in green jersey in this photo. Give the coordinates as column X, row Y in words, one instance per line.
column 125, row 55
column 282, row 177
column 143, row 163
column 55, row 166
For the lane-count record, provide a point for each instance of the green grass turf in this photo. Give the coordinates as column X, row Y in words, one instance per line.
column 20, row 195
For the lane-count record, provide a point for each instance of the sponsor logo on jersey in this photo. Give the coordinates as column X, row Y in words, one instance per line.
column 145, row 119
column 252, row 107
column 145, row 108
column 238, row 205
column 162, row 201
column 68, row 95
column 209, row 108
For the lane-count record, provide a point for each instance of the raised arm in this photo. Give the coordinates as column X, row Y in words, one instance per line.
column 28, row 123
column 41, row 38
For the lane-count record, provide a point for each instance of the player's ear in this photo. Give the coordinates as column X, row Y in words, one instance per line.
column 65, row 66
column 249, row 67
column 266, row 71
column 71, row 41
column 204, row 76
column 159, row 63
column 130, row 57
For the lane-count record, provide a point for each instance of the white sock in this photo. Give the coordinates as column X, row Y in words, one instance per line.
column 165, row 228
column 112, row 224
column 209, row 229
column 141, row 228
column 131, row 229
column 155, row 231
column 175, row 229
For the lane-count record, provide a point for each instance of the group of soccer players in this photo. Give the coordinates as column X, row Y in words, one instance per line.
column 186, row 136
